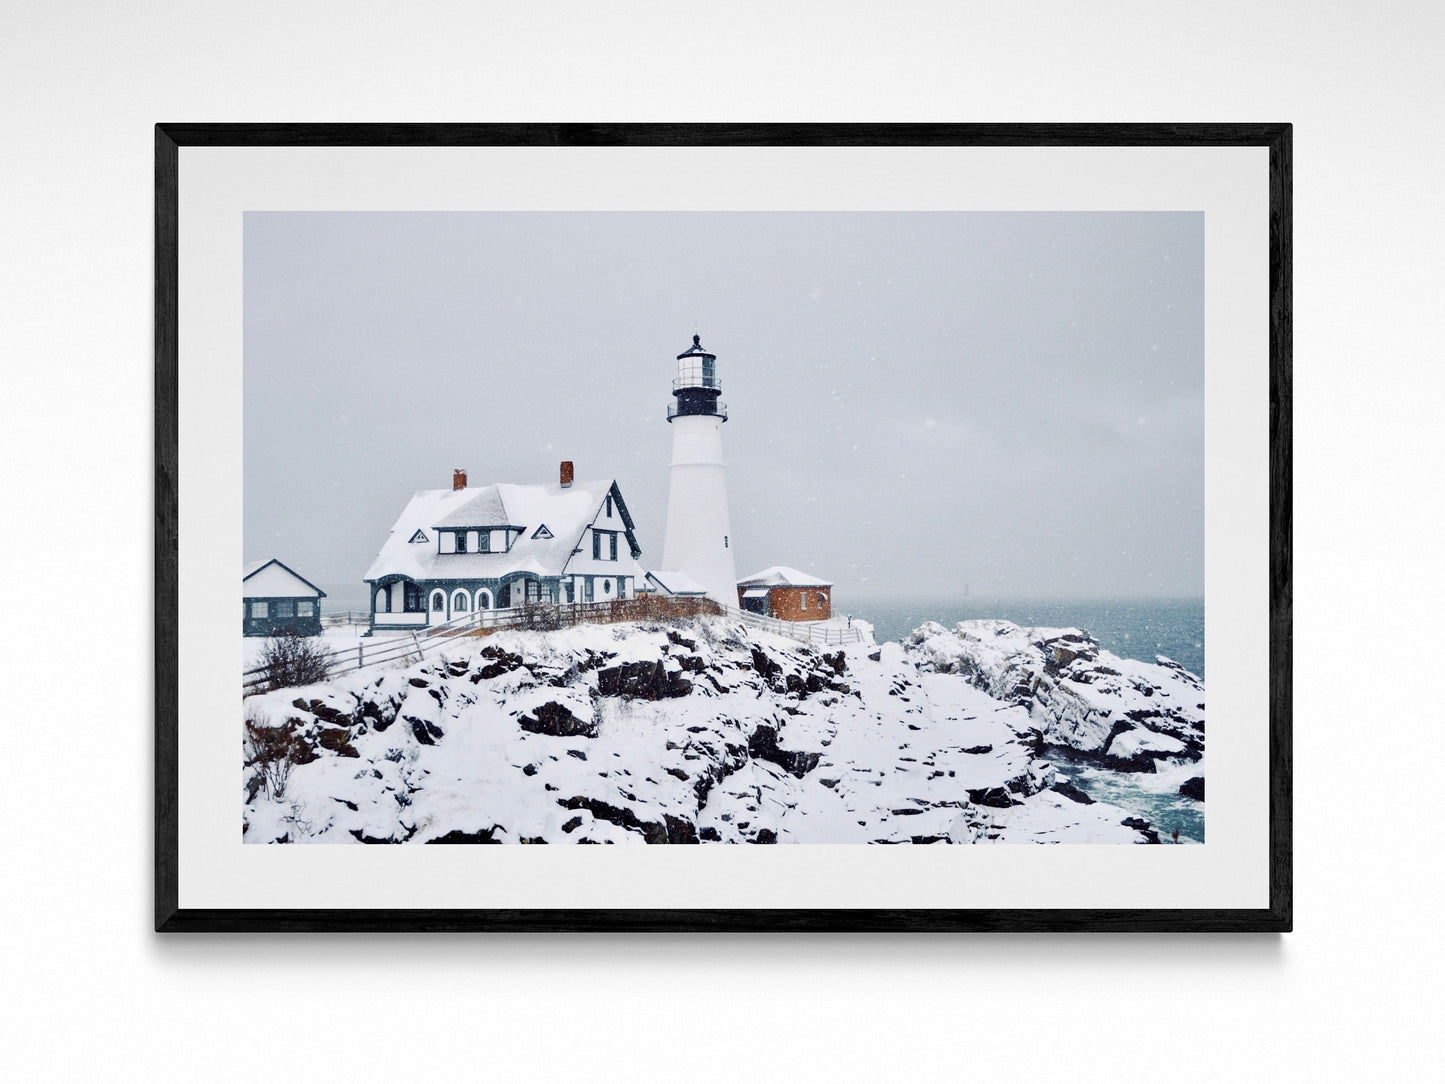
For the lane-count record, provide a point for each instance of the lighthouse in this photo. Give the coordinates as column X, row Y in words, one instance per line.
column 698, row 542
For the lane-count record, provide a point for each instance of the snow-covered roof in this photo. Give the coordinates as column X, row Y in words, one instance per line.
column 677, row 583
column 566, row 512
column 782, row 576
column 483, row 510
column 269, row 578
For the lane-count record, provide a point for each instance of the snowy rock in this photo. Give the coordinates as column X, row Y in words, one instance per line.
column 706, row 732
column 1128, row 715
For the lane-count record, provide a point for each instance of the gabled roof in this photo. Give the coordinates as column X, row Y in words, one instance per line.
column 254, row 567
column 483, row 510
column 782, row 576
column 677, row 583
column 568, row 511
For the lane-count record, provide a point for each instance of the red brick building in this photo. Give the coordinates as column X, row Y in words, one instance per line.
column 787, row 594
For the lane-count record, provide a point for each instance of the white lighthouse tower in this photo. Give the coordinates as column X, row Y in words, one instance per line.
column 698, row 541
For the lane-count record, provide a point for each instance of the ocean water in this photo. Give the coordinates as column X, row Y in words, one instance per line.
column 1130, row 628
column 1152, row 795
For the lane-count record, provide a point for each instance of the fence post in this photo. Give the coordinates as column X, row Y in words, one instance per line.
column 360, row 658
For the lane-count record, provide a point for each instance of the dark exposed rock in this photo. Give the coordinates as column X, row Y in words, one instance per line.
column 1068, row 790
column 997, row 797
column 764, row 745
column 644, row 680
column 337, row 741
column 424, row 732
column 302, row 751
column 1193, row 788
column 625, row 818
column 557, row 720
column 765, row 835
column 679, row 830
column 763, row 664
column 503, row 662
column 362, row 837
column 1140, row 825
column 456, row 835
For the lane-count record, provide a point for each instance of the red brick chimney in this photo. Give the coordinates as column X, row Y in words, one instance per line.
column 459, row 479
column 566, row 473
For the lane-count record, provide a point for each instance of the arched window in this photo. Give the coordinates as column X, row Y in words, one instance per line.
column 383, row 600
column 460, row 602
column 438, row 601
column 484, row 599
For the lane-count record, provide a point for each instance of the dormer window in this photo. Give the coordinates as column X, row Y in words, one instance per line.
column 604, row 545
column 484, row 541
column 542, row 532
column 461, row 541
column 420, row 536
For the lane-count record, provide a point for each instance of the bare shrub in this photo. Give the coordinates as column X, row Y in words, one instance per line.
column 290, row 659
column 268, row 752
column 541, row 618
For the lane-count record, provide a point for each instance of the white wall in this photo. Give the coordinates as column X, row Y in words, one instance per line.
column 698, row 535
column 89, row 993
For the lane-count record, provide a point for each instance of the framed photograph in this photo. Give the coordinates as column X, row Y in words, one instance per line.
column 834, row 525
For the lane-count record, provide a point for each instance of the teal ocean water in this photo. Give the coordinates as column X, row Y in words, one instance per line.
column 1130, row 628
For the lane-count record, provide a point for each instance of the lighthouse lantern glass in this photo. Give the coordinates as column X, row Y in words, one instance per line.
column 697, row 373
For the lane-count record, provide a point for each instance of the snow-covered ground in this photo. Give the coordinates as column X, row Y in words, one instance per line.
column 709, row 731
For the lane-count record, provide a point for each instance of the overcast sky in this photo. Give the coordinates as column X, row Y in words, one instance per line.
column 917, row 401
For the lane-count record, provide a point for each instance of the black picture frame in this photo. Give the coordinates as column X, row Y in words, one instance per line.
column 170, row 917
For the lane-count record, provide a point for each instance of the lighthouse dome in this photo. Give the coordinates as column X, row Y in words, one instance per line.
column 696, row 388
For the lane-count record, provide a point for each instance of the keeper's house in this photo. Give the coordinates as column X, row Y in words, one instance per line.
column 275, row 599
column 468, row 548
column 787, row 594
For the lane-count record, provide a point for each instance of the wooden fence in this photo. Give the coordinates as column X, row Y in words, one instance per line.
column 413, row 647
column 416, row 645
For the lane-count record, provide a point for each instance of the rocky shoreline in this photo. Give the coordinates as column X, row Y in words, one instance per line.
column 711, row 732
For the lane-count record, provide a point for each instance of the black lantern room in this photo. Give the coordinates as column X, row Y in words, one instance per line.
column 697, row 388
